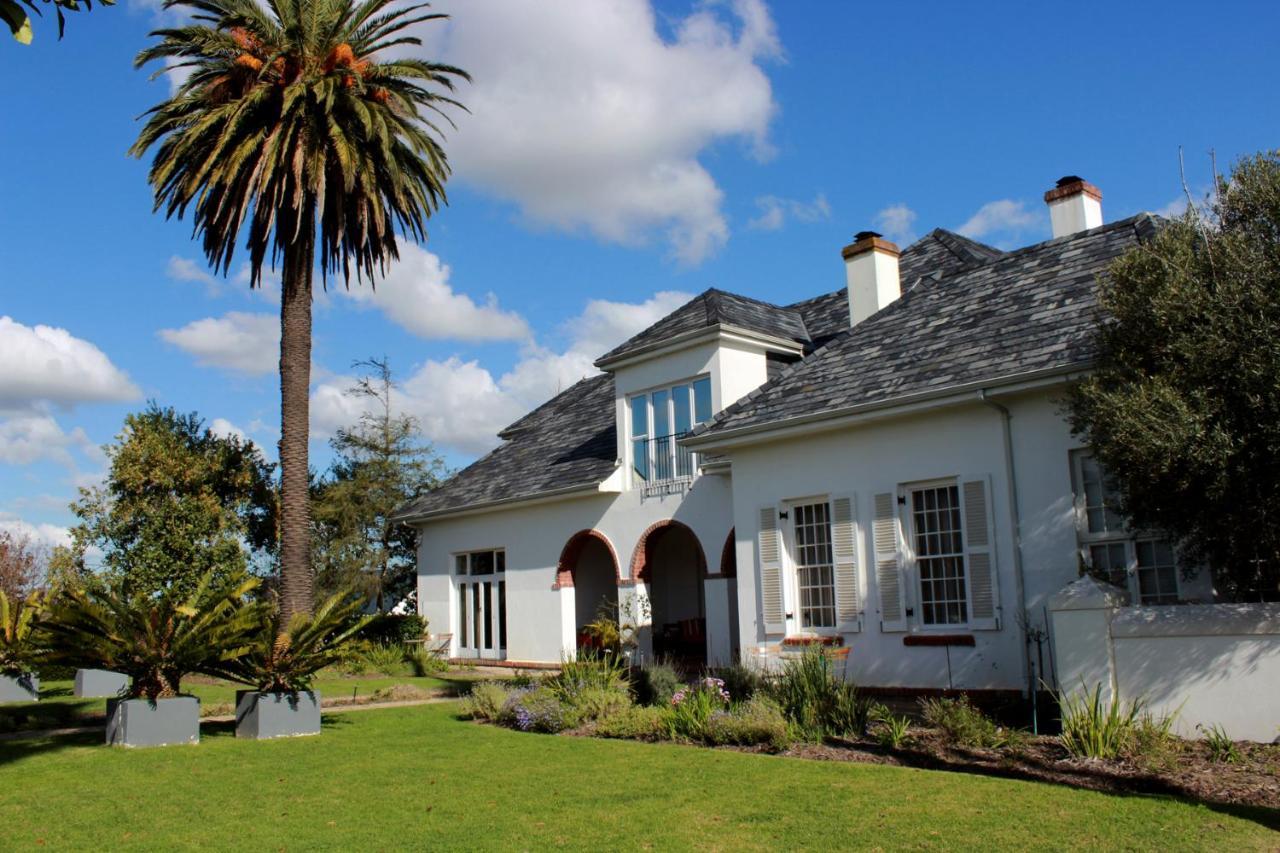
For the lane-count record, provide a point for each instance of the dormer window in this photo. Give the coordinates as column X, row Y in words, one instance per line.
column 659, row 418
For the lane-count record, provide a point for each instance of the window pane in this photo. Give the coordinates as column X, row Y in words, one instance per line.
column 460, row 564
column 1157, row 572
column 680, row 402
column 702, row 400
column 488, row 616
column 640, row 458
column 501, row 557
column 661, row 413
column 475, row 613
column 462, row 615
column 639, row 416
column 502, row 614
column 482, row 563
column 939, row 547
column 815, row 576
column 1110, row 561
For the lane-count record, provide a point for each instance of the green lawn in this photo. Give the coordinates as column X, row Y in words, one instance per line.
column 59, row 708
column 418, row 778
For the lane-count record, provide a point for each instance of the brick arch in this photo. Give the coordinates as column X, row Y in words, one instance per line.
column 573, row 550
column 729, row 558
column 655, row 531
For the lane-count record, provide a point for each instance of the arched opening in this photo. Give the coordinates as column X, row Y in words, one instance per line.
column 670, row 562
column 589, row 566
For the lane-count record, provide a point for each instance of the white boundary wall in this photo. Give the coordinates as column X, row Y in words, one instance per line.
column 1210, row 664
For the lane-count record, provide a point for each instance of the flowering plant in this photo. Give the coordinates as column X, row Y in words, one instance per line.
column 692, row 708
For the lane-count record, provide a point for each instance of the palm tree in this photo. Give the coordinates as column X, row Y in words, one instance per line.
column 297, row 118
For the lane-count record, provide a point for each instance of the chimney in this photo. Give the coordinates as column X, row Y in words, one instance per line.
column 871, row 269
column 1074, row 205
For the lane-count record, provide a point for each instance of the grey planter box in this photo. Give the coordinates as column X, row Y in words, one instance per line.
column 165, row 722
column 23, row 688
column 268, row 715
column 100, row 684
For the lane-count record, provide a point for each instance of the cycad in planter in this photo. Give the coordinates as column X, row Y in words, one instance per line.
column 19, row 649
column 157, row 641
column 283, row 662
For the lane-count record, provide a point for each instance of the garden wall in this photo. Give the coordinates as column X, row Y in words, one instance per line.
column 1211, row 664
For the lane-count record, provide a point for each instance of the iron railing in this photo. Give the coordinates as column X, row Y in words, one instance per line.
column 662, row 462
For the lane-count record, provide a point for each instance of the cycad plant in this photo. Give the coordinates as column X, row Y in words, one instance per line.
column 300, row 119
column 285, row 656
column 19, row 647
column 157, row 640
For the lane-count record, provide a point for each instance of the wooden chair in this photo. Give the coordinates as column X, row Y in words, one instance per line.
column 440, row 645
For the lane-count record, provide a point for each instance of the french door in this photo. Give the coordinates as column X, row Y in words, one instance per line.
column 482, row 617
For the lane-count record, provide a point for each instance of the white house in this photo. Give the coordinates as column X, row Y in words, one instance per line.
column 885, row 466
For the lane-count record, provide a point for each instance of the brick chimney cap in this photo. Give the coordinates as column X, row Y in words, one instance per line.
column 867, row 241
column 1070, row 185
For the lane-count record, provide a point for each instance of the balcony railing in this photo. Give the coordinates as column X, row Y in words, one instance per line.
column 663, row 465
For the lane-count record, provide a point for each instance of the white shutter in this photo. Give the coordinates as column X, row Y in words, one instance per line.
column 844, row 549
column 888, row 568
column 980, row 553
column 770, row 542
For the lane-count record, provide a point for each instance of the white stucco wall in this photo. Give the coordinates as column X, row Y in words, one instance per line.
column 541, row 620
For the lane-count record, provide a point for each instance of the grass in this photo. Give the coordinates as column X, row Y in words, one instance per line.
column 59, row 708
column 419, row 778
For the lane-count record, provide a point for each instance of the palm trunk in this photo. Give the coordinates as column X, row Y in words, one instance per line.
column 297, row 595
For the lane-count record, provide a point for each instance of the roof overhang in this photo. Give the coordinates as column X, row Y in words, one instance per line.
column 890, row 407
column 581, row 490
column 695, row 337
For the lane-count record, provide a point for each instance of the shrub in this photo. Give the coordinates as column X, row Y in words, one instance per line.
column 539, row 710
column 965, row 725
column 1222, row 749
column 19, row 649
column 758, row 721
column 656, row 683
column 156, row 640
column 607, row 672
column 385, row 659
column 422, row 662
column 637, row 722
column 394, row 629
column 742, row 682
column 285, row 658
column 400, row 693
column 485, row 701
column 593, row 703
column 817, row 703
column 1092, row 728
column 692, row 707
column 894, row 732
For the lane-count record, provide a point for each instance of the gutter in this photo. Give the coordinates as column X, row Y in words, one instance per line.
column 836, row 418
column 580, row 490
column 1015, row 518
column 694, row 337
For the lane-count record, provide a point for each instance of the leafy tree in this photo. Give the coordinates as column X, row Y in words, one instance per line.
column 380, row 464
column 179, row 502
column 1183, row 409
column 21, row 564
column 19, row 21
column 290, row 122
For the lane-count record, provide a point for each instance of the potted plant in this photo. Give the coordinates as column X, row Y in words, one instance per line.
column 18, row 648
column 155, row 640
column 281, row 665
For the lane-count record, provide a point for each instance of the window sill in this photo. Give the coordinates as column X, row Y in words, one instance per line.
column 815, row 640
column 938, row 640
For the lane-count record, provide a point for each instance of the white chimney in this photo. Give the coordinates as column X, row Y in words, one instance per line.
column 1074, row 205
column 871, row 269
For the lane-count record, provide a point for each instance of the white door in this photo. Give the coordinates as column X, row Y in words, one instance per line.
column 482, row 612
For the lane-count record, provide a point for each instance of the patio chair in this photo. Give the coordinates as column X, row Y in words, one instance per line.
column 839, row 659
column 439, row 645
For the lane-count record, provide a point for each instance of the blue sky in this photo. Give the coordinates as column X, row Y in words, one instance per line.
column 620, row 156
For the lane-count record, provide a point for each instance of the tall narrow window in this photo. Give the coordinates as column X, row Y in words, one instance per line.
column 488, row 615
column 640, row 437
column 815, row 580
column 502, row 615
column 702, row 400
column 462, row 615
column 939, row 552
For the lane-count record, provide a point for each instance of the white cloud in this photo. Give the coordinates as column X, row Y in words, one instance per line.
column 775, row 211
column 47, row 536
column 226, row 429
column 462, row 406
column 585, row 116
column 27, row 437
column 1005, row 217
column 897, row 222
column 417, row 296
column 236, row 341
column 185, row 269
column 44, row 363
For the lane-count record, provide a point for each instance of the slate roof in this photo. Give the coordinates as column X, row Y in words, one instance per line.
column 715, row 307
column 568, row 441
column 1016, row 313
